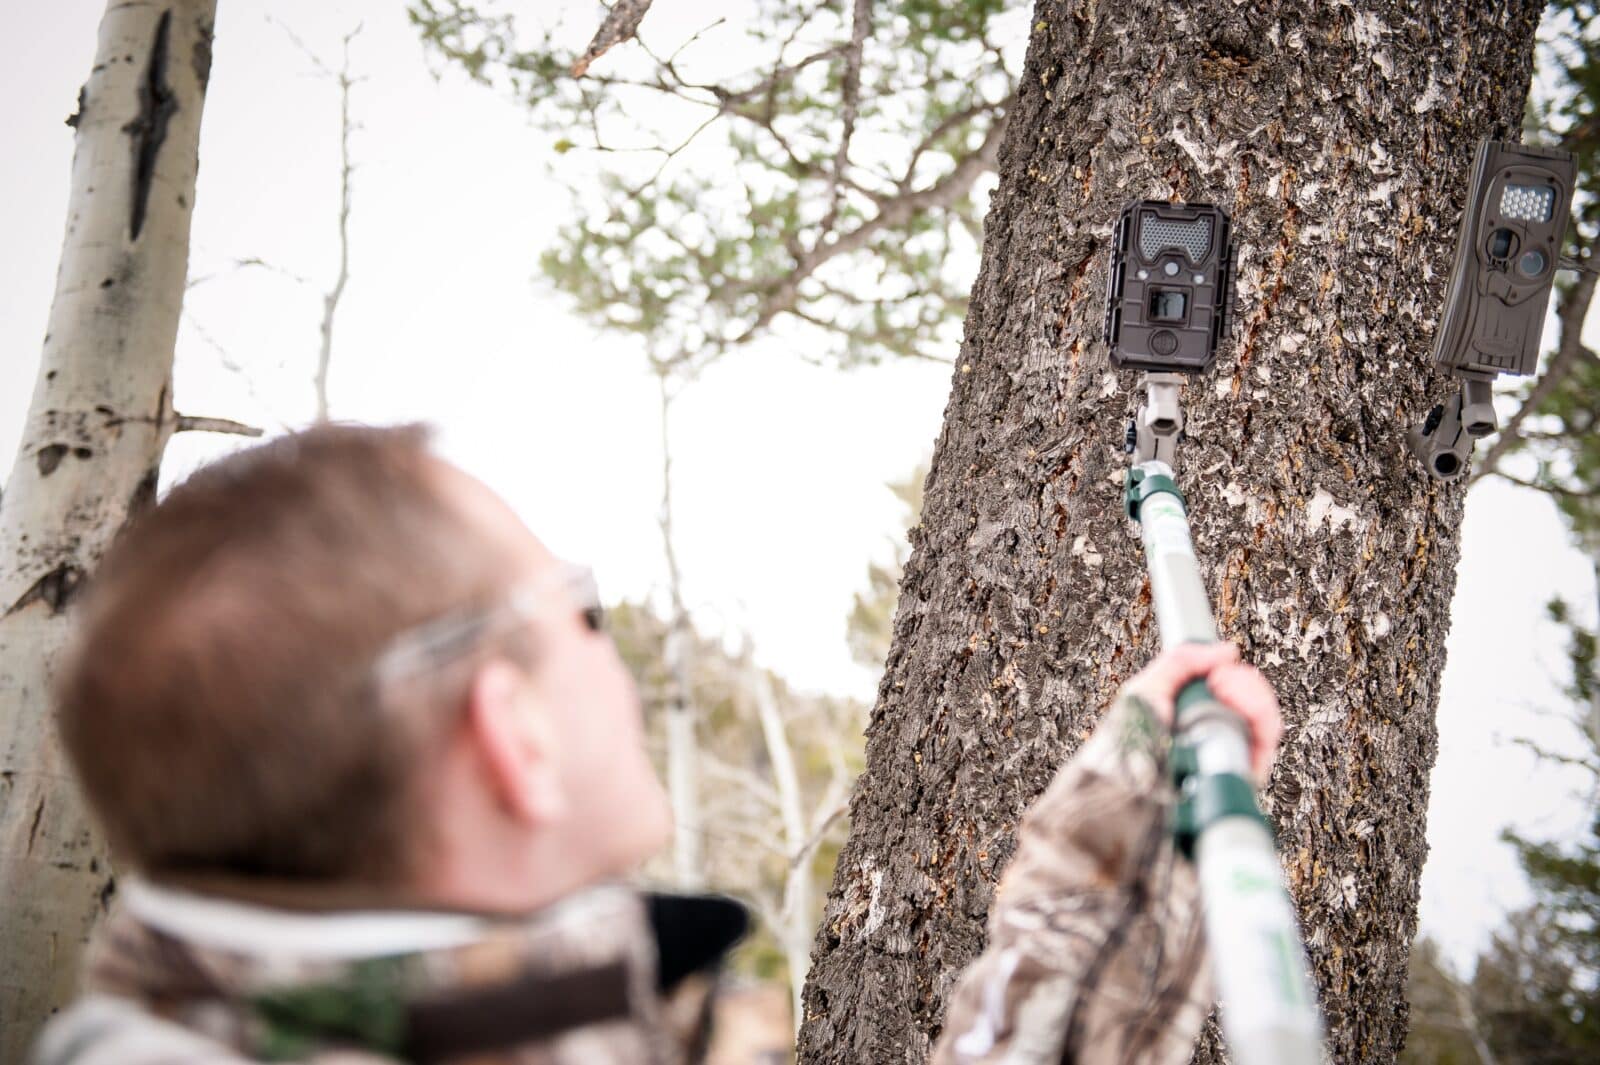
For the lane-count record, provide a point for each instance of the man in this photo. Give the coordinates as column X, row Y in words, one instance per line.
column 373, row 774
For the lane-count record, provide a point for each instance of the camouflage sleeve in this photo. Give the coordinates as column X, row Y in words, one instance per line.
column 1095, row 952
column 108, row 1030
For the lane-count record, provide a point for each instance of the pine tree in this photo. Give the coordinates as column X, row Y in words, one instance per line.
column 1339, row 137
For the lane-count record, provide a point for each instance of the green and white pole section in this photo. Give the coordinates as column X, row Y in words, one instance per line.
column 1269, row 1010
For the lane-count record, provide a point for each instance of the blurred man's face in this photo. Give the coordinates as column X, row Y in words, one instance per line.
column 616, row 814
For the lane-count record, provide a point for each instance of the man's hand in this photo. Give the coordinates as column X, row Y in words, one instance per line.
column 1237, row 685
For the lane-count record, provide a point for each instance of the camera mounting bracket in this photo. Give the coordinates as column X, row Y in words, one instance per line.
column 1154, row 433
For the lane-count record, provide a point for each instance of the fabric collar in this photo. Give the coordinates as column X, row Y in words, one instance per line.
column 691, row 932
column 420, row 985
column 215, row 923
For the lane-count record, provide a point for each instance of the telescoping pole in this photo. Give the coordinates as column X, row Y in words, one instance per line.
column 1269, row 1011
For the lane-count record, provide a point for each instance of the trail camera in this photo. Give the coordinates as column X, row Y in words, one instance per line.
column 1168, row 286
column 1507, row 251
column 1506, row 254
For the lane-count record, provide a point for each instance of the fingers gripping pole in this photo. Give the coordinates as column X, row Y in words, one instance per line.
column 1269, row 1012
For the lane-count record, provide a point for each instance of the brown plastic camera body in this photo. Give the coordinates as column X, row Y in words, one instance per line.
column 1508, row 249
column 1169, row 286
column 1507, row 252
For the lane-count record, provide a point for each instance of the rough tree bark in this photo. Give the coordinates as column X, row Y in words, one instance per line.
column 100, row 415
column 1339, row 135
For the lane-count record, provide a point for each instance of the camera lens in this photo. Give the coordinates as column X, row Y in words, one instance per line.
column 1167, row 305
column 1532, row 263
column 1502, row 242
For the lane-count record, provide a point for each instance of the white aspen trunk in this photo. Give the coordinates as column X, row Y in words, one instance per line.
column 683, row 744
column 100, row 415
column 330, row 301
column 1593, row 721
column 794, row 917
column 683, row 775
column 1470, row 1020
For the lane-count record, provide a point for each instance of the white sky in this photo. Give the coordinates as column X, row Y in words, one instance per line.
column 780, row 467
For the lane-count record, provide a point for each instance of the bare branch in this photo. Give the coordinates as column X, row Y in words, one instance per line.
column 242, row 264
column 767, row 911
column 676, row 52
column 829, row 816
column 850, row 89
column 330, row 301
column 668, row 154
column 856, row 335
column 949, row 122
column 1549, row 486
column 755, row 787
column 766, row 87
column 1544, row 754
column 191, row 424
column 305, row 50
column 896, row 211
column 232, row 365
column 620, row 24
column 683, row 748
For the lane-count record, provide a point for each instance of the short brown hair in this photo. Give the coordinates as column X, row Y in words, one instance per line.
column 218, row 703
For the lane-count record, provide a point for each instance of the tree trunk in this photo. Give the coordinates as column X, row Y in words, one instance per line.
column 793, row 928
column 100, row 415
column 1340, row 137
column 683, row 718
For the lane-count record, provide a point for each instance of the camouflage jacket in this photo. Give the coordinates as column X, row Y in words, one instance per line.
column 1096, row 954
column 605, row 977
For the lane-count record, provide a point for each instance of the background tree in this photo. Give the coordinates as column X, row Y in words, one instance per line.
column 1340, row 138
column 330, row 299
column 1534, row 995
column 825, row 181
column 815, row 166
column 1538, row 984
column 100, row 417
column 777, row 763
column 1445, row 1026
column 777, row 766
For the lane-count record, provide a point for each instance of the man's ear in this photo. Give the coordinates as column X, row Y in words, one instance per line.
column 515, row 742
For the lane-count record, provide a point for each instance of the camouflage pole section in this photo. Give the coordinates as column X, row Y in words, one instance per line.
column 1269, row 1010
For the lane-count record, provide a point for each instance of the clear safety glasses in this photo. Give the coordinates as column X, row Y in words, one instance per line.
column 443, row 639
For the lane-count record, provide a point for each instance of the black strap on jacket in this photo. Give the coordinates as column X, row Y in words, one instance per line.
column 693, row 934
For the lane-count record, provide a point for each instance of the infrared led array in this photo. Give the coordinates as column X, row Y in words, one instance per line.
column 1528, row 203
